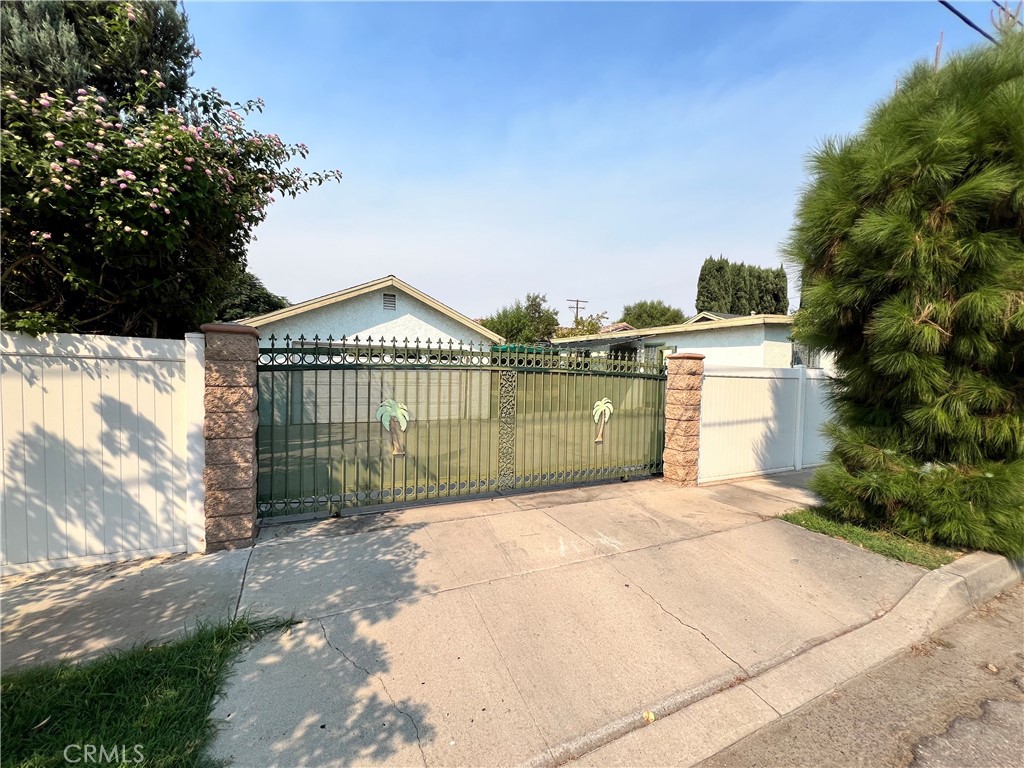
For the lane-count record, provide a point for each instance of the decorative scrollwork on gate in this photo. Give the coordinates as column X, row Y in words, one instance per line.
column 506, row 430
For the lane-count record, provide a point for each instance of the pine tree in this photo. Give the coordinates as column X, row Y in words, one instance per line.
column 910, row 243
column 740, row 280
column 778, row 296
column 714, row 290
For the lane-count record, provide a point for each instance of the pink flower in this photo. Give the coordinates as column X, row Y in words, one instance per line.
column 127, row 229
column 58, row 143
column 46, row 235
column 82, row 91
column 167, row 211
column 143, row 72
column 145, row 233
column 122, row 185
column 67, row 186
column 188, row 167
column 72, row 161
column 34, row 232
column 56, row 167
column 153, row 206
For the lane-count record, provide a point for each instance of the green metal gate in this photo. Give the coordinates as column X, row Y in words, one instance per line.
column 348, row 424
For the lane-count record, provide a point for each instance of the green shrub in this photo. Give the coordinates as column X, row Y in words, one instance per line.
column 910, row 241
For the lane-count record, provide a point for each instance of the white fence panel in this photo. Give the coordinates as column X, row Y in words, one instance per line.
column 94, row 449
column 756, row 421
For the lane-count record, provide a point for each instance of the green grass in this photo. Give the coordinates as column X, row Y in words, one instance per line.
column 156, row 696
column 882, row 542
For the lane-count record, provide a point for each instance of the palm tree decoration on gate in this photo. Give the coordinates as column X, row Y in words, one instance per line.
column 603, row 411
column 394, row 417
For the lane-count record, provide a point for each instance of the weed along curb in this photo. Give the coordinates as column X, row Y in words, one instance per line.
column 720, row 713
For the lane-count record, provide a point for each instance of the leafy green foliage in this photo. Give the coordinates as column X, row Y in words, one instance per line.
column 910, row 242
column 120, row 218
column 650, row 314
column 739, row 289
column 524, row 322
column 158, row 696
column 49, row 44
column 246, row 297
column 585, row 325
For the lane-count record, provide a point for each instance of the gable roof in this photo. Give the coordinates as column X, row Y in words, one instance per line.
column 703, row 317
column 358, row 290
column 617, row 327
column 687, row 327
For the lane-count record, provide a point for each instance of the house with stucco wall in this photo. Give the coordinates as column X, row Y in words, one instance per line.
column 387, row 308
column 758, row 341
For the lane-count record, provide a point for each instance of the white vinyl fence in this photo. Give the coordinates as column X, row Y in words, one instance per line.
column 756, row 421
column 102, row 448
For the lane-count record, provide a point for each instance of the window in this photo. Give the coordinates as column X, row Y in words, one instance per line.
column 390, row 301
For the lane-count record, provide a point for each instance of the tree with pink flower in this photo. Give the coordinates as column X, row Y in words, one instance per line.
column 121, row 218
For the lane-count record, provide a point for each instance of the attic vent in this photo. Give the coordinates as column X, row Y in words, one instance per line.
column 390, row 301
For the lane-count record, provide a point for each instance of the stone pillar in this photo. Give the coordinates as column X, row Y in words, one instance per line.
column 682, row 417
column 230, row 429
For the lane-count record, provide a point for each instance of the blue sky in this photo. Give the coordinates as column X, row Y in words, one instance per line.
column 583, row 150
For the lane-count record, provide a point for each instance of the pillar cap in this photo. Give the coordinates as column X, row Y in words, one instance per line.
column 229, row 328
column 683, row 356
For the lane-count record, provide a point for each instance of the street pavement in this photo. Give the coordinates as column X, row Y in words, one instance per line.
column 956, row 701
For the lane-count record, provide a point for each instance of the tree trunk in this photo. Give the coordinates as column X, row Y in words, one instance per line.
column 600, row 429
column 396, row 441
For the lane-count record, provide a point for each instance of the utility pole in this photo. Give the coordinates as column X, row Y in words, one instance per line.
column 577, row 305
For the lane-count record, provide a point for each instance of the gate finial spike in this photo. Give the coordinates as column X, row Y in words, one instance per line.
column 272, row 340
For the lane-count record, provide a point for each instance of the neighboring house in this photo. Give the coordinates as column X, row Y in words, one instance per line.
column 617, row 327
column 387, row 308
column 754, row 340
column 703, row 317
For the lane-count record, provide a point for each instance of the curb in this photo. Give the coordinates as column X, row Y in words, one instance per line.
column 723, row 717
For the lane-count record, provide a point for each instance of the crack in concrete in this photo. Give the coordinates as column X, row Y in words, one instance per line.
column 241, row 587
column 665, row 610
column 383, row 685
column 508, row 671
column 773, row 709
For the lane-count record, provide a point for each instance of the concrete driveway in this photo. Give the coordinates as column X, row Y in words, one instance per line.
column 515, row 629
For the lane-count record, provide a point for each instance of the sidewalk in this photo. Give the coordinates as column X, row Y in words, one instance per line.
column 530, row 628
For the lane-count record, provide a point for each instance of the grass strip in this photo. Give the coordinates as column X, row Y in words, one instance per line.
column 158, row 697
column 880, row 541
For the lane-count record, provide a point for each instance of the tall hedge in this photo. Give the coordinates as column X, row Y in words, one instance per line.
column 910, row 242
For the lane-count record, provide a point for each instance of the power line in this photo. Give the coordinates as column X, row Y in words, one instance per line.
column 967, row 21
column 577, row 304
